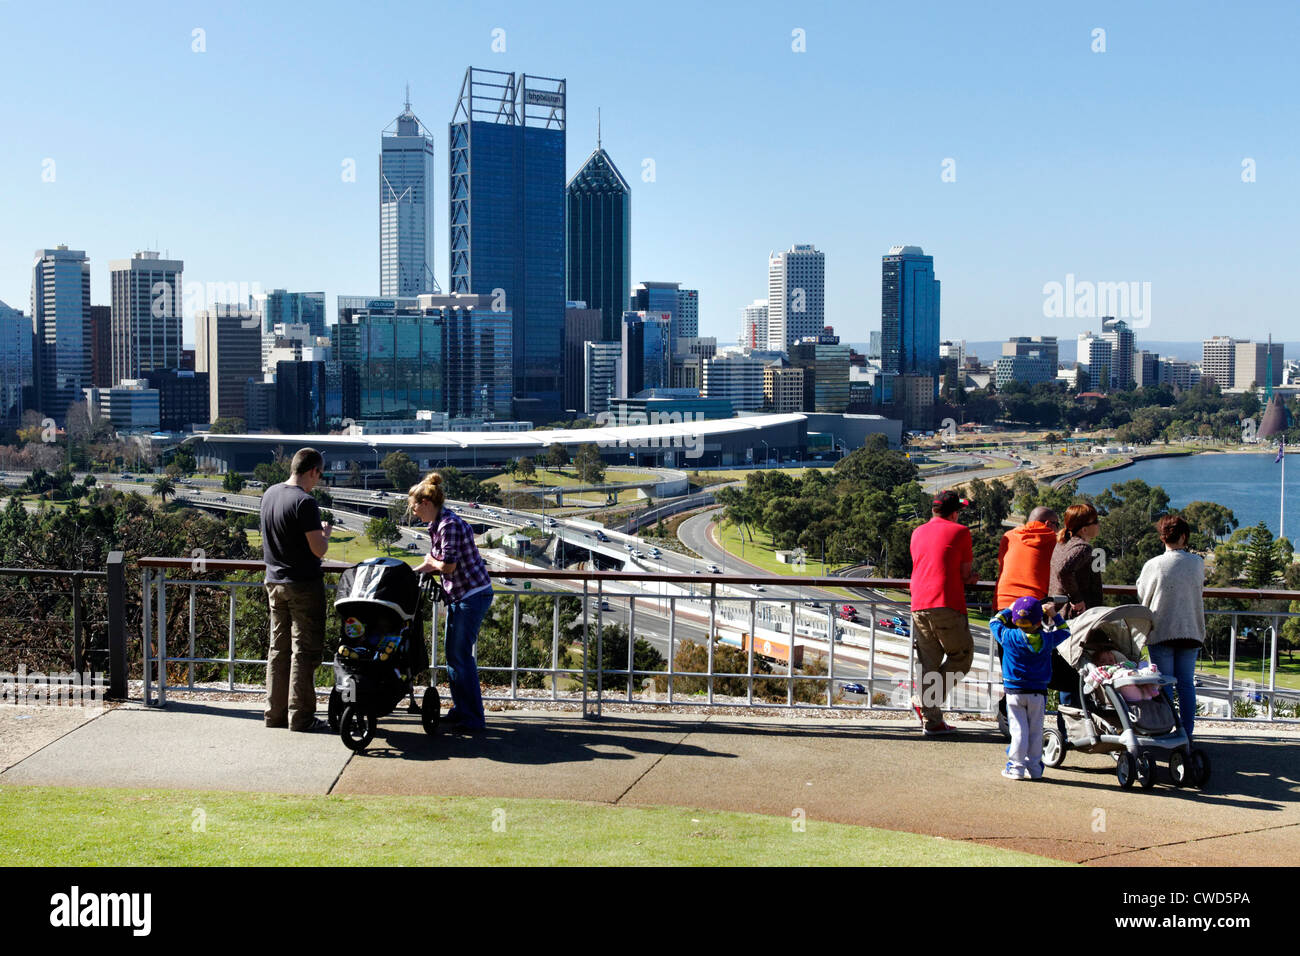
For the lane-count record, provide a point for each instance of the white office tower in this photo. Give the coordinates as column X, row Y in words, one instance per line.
column 796, row 295
column 406, row 208
column 1120, row 336
column 1219, row 359
column 60, row 329
column 753, row 326
column 146, row 316
column 1095, row 356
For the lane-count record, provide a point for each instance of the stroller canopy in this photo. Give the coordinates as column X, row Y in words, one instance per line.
column 379, row 582
column 1123, row 629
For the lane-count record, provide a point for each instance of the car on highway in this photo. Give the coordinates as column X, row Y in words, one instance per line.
column 628, row 547
column 655, row 553
column 601, row 536
column 378, row 494
column 848, row 612
column 473, row 504
column 638, row 554
column 125, row 474
column 896, row 622
column 552, row 523
column 508, row 582
column 531, row 523
column 902, row 630
column 221, row 497
column 816, row 604
column 854, row 688
column 714, row 569
column 757, row 587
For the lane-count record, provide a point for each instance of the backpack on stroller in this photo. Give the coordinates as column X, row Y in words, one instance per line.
column 381, row 650
column 1121, row 712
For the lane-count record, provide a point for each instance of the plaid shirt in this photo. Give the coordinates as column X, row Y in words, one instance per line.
column 451, row 539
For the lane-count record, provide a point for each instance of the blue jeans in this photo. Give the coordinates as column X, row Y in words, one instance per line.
column 1180, row 664
column 464, row 618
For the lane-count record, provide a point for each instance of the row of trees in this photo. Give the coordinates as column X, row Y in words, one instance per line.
column 1140, row 416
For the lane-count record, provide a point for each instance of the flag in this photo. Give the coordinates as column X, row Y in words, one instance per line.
column 1281, row 450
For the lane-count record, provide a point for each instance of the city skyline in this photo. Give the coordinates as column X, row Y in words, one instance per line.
column 989, row 226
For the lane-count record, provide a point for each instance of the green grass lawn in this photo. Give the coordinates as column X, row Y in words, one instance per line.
column 346, row 546
column 760, row 553
column 48, row 826
column 1288, row 670
column 565, row 478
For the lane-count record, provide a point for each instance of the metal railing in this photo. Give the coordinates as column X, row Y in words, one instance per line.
column 745, row 654
column 82, row 611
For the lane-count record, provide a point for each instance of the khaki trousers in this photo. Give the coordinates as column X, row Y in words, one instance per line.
column 938, row 632
column 297, row 646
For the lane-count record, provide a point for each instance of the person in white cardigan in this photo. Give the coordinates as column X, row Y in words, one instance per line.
column 1171, row 585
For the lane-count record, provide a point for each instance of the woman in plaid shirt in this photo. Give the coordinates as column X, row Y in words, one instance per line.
column 453, row 554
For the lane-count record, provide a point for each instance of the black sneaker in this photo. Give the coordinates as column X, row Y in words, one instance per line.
column 315, row 727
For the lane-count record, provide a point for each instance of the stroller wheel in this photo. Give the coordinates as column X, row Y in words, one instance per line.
column 430, row 707
column 1053, row 747
column 1146, row 772
column 1126, row 770
column 1178, row 769
column 335, row 709
column 1200, row 768
column 356, row 727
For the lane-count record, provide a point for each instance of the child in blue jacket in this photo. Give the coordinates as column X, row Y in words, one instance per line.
column 1026, row 668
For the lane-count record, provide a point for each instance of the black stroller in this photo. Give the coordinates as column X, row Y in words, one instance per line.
column 380, row 604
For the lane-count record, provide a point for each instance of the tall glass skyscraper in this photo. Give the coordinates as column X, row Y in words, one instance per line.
column 506, row 142
column 61, row 327
column 291, row 308
column 599, row 240
column 15, row 365
column 909, row 317
column 646, row 352
column 796, row 295
column 405, row 208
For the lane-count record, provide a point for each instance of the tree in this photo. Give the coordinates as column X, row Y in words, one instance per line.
column 272, row 472
column 525, row 469
column 1263, row 565
column 877, row 465
column 233, row 482
column 354, row 474
column 1210, row 523
column 383, row 532
column 556, row 456
column 184, row 459
column 323, row 498
column 590, row 465
column 401, row 472
column 228, row 426
column 163, row 487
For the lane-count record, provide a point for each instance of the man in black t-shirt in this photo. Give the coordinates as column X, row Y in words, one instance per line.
column 293, row 543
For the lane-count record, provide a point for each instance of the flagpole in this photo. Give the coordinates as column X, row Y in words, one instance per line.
column 1281, row 517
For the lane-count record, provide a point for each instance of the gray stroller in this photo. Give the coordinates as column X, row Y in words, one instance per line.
column 1116, row 716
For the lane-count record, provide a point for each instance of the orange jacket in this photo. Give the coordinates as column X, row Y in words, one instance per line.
column 1024, row 563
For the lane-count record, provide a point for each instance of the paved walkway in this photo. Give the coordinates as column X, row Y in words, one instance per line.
column 876, row 773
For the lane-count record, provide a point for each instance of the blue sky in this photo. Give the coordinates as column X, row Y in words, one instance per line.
column 1117, row 166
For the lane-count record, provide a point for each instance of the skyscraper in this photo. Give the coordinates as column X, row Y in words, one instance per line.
column 646, row 352
column 406, row 207
column 101, row 346
column 146, row 292
column 753, row 326
column 796, row 295
column 1219, row 359
column 1120, row 336
column 598, row 241
column 15, row 365
column 581, row 325
column 1096, row 354
column 61, row 329
column 229, row 349
column 909, row 317
column 279, row 307
column 506, row 142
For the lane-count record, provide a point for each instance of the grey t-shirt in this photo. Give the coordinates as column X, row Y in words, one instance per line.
column 288, row 513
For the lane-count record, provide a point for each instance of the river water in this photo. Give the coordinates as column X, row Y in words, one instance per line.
column 1248, row 484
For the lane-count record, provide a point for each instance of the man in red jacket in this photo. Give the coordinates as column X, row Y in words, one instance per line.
column 942, row 566
column 1025, row 559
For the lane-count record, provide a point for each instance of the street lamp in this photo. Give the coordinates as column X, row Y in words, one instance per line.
column 767, row 455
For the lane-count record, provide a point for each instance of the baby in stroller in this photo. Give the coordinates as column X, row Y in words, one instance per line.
column 1121, row 709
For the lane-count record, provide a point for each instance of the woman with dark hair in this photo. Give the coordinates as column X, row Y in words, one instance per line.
column 453, row 554
column 1074, row 570
column 1171, row 585
column 1076, row 578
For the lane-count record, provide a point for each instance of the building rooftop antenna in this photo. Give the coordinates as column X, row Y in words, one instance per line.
column 408, row 97
column 598, row 127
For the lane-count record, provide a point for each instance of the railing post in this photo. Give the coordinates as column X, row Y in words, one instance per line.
column 162, row 637
column 116, row 585
column 78, row 652
column 146, row 631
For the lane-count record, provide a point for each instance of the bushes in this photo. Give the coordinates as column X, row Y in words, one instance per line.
column 732, row 660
